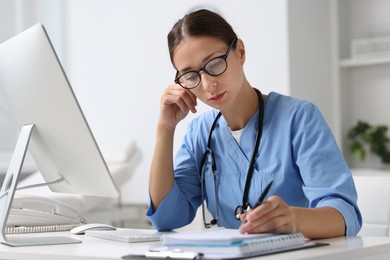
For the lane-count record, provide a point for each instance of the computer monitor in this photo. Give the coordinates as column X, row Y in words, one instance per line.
column 52, row 124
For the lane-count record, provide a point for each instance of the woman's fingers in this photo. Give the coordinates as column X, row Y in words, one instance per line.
column 272, row 216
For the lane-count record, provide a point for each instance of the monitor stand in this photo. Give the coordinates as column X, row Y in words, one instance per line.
column 7, row 193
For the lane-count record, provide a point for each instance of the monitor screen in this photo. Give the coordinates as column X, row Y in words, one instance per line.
column 35, row 87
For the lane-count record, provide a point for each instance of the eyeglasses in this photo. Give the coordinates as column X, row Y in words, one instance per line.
column 215, row 67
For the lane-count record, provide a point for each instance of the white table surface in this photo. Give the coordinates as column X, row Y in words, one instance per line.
column 95, row 248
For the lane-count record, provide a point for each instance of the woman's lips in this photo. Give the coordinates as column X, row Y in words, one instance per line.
column 217, row 98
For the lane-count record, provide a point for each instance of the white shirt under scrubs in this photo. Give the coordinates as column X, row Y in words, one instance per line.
column 297, row 151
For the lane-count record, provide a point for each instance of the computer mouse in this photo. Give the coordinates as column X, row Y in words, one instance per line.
column 80, row 230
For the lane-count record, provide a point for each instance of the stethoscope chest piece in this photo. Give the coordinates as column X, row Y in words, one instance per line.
column 240, row 210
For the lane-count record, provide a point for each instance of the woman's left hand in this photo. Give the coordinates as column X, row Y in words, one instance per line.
column 272, row 216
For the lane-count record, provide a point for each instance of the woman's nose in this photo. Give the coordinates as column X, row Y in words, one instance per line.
column 207, row 81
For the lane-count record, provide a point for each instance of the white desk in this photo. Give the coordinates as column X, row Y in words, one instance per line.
column 94, row 248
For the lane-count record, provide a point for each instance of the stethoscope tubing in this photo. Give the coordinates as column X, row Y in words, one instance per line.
column 245, row 205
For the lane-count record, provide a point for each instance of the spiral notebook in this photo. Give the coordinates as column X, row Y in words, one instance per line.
column 224, row 243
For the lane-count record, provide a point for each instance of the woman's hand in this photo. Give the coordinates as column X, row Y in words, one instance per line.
column 275, row 216
column 272, row 216
column 176, row 102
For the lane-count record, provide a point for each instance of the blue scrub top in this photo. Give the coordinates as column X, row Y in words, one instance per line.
column 297, row 151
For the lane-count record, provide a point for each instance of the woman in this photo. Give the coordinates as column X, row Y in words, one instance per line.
column 255, row 139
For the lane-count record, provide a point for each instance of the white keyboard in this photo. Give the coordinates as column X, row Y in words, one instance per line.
column 129, row 235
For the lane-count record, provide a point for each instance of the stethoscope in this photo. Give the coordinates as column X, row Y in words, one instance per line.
column 240, row 209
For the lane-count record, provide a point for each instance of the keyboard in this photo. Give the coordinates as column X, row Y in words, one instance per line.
column 129, row 235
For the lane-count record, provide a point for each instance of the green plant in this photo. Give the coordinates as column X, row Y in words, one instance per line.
column 364, row 135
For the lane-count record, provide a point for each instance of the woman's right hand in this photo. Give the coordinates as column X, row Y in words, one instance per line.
column 175, row 104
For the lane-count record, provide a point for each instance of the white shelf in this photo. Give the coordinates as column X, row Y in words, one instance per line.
column 370, row 172
column 360, row 83
column 360, row 62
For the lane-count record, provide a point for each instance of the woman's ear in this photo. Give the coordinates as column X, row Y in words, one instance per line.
column 240, row 47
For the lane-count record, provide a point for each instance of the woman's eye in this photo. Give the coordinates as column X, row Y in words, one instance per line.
column 190, row 77
column 215, row 66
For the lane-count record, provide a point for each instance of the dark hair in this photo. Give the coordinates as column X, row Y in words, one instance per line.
column 200, row 23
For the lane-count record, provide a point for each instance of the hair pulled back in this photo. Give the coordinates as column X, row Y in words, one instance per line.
column 200, row 23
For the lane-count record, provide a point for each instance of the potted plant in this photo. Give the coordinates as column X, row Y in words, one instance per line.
column 364, row 136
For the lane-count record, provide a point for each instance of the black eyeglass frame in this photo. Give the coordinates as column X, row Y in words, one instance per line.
column 197, row 72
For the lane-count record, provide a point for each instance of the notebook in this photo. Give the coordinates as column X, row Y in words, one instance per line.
column 229, row 243
column 218, row 236
column 39, row 228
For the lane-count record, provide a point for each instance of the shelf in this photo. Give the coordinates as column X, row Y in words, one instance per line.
column 360, row 76
column 360, row 62
column 371, row 172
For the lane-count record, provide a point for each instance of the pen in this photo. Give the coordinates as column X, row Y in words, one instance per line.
column 262, row 196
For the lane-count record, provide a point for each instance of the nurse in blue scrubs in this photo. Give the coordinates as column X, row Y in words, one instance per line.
column 246, row 140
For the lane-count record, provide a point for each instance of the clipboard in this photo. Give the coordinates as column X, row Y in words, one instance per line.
column 164, row 253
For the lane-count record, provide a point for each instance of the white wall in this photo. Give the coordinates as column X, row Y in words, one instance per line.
column 7, row 129
column 310, row 54
column 117, row 60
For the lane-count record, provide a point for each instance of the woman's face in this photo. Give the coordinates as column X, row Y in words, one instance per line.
column 219, row 92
